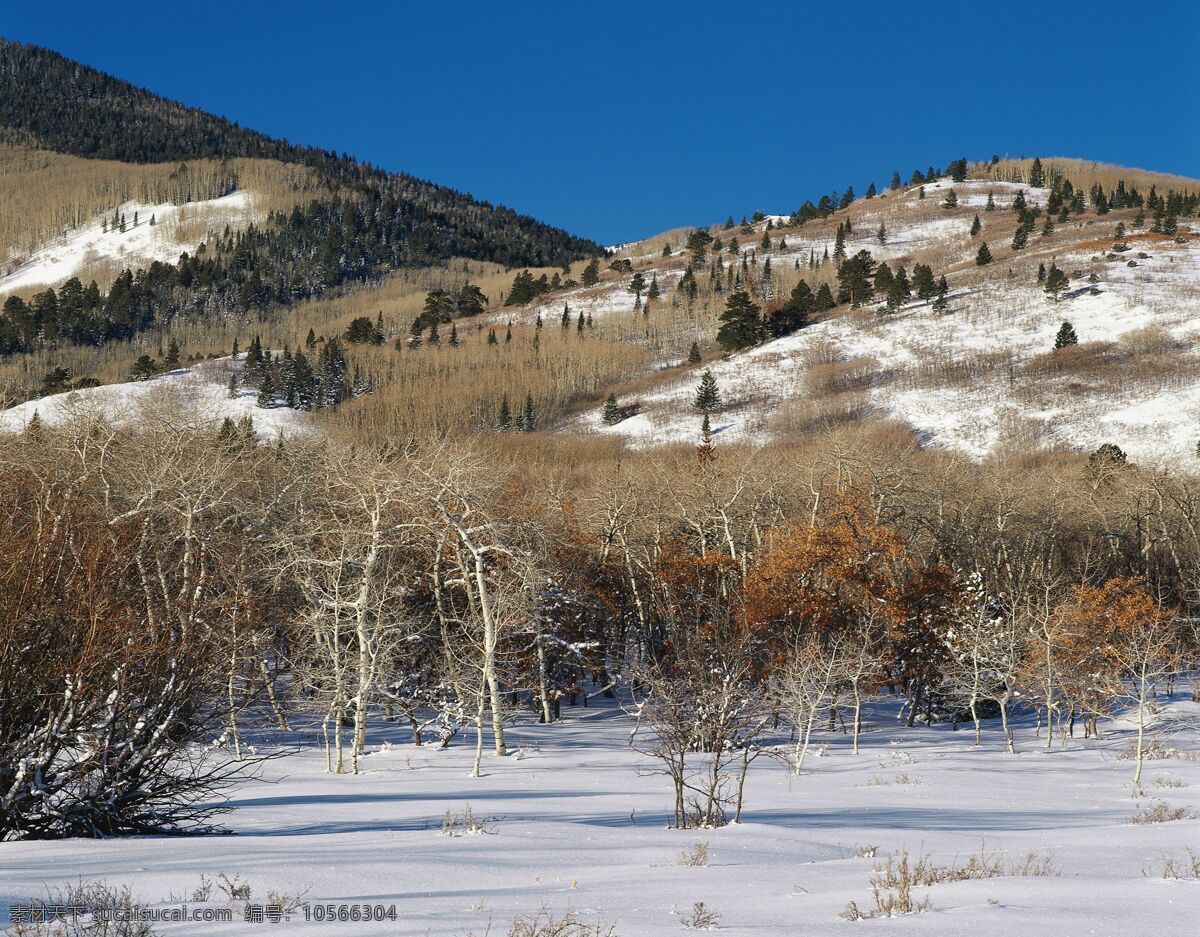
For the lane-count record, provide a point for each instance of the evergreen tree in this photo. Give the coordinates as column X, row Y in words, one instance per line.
column 1037, row 175
column 508, row 334
column 1048, row 227
column 1041, row 274
column 923, row 282
column 1056, row 283
column 708, row 395
column 266, row 387
column 883, row 278
column 705, row 451
column 566, row 317
column 1066, row 336
column 579, row 323
column 983, row 256
column 233, row 392
column 527, row 422
column 976, row 226
column 895, row 181
column 991, row 203
column 1020, row 237
column 172, row 358
column 504, row 418
column 793, row 315
column 143, row 368
column 453, row 335
column 958, row 170
column 839, row 245
column 921, row 193
column 855, row 279
column 311, row 341
column 694, row 354
column 824, row 300
column 434, row 337
column 871, row 190
column 1018, row 202
column 881, row 234
column 741, row 325
column 591, row 273
column 653, row 292
column 491, row 339
column 951, row 200
column 943, row 296
column 637, row 284
column 612, row 410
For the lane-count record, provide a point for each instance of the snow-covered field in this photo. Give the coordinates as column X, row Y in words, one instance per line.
column 198, row 392
column 575, row 821
column 136, row 246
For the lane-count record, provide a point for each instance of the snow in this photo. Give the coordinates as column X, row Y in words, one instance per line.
column 136, row 247
column 199, row 391
column 911, row 353
column 575, row 821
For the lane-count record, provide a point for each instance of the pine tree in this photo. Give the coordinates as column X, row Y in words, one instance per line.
column 983, row 256
column 708, row 395
column 895, row 180
column 172, row 358
column 637, row 284
column 881, row 234
column 951, row 200
column 1037, row 175
column 34, row 429
column 528, row 419
column 234, row 393
column 705, row 451
column 1056, row 283
column 653, row 292
column 1048, row 227
column 434, row 337
column 921, row 193
column 855, row 278
column 871, row 189
column 1041, row 274
column 504, row 418
column 153, row 221
column 311, row 341
column 924, row 285
column 143, row 368
column 491, row 339
column 991, row 203
column 453, row 335
column 824, row 301
column 694, row 354
column 1066, row 336
column 839, row 245
column 579, row 323
column 976, row 226
column 943, row 296
column 566, row 317
column 1020, row 237
column 741, row 325
column 612, row 411
column 266, row 388
column 591, row 273
column 508, row 334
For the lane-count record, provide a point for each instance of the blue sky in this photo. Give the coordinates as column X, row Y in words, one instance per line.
column 618, row 120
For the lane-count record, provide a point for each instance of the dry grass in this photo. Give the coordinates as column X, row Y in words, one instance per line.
column 46, row 194
column 894, row 880
column 1161, row 812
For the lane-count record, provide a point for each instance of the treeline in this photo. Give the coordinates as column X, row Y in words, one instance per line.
column 453, row 586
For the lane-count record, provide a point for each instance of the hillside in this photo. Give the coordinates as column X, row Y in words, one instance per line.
column 980, row 376
column 327, row 222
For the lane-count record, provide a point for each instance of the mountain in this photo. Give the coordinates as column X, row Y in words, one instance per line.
column 359, row 224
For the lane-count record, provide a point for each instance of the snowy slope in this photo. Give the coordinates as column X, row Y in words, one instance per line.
column 575, row 821
column 992, row 312
column 135, row 247
column 199, row 392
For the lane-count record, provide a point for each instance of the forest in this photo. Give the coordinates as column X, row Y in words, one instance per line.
column 166, row 586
